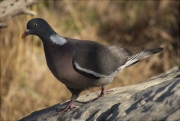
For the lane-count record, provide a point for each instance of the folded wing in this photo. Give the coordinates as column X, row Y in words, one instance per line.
column 98, row 60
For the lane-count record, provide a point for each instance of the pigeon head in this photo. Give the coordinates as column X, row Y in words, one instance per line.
column 38, row 27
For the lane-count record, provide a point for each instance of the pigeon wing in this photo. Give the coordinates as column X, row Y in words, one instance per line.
column 98, row 60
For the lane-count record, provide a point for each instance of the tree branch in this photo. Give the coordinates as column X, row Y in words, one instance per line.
column 11, row 8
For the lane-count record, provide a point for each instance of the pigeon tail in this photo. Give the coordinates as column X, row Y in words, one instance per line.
column 144, row 54
column 149, row 52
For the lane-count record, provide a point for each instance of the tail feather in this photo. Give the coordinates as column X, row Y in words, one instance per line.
column 149, row 52
column 145, row 53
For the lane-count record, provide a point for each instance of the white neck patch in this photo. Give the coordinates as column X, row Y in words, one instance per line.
column 56, row 39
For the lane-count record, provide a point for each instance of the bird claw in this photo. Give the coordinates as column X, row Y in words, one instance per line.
column 65, row 109
column 108, row 92
column 102, row 94
column 73, row 106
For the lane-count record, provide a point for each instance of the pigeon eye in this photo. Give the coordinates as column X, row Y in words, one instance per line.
column 35, row 25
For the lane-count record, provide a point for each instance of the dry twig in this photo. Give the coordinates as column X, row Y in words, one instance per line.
column 11, row 8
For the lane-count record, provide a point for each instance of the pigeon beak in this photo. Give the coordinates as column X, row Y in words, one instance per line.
column 25, row 34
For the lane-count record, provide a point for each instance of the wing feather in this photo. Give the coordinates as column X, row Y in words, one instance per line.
column 97, row 59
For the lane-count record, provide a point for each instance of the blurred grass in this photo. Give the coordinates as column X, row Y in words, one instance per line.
column 28, row 85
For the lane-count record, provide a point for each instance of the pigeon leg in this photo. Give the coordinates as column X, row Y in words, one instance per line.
column 68, row 106
column 75, row 95
column 103, row 92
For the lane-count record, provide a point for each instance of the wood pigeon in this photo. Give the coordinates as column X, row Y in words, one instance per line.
column 80, row 64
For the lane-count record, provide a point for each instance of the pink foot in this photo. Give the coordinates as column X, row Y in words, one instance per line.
column 68, row 106
column 103, row 93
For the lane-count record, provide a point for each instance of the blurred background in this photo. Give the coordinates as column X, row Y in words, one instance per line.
column 28, row 85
